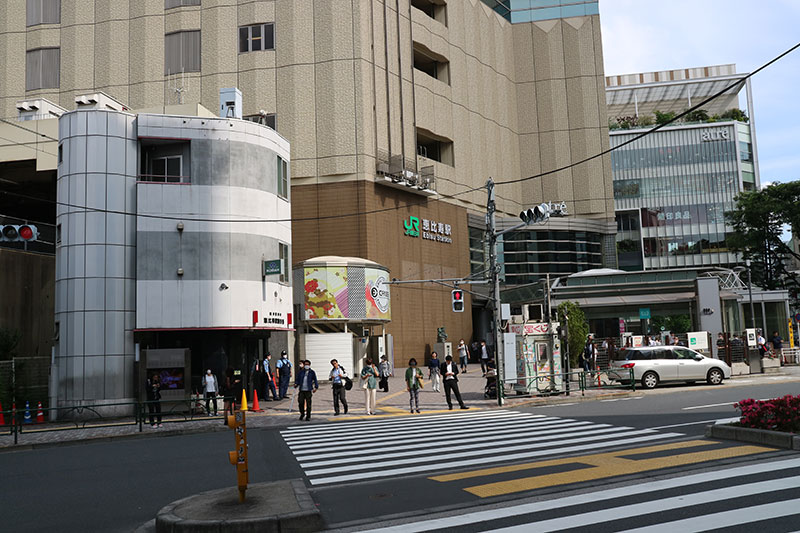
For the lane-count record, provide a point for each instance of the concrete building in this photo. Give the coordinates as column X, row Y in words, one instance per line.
column 151, row 275
column 672, row 188
column 397, row 113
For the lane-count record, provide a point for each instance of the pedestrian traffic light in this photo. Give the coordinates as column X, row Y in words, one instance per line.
column 238, row 457
column 539, row 213
column 23, row 233
column 458, row 300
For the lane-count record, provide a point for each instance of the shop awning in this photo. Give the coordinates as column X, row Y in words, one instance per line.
column 637, row 299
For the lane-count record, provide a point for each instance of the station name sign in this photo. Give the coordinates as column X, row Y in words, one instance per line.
column 431, row 230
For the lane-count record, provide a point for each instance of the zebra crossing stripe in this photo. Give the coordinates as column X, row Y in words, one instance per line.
column 516, row 454
column 367, row 446
column 667, row 504
column 467, row 519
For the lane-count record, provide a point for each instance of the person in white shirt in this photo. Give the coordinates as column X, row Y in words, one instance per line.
column 337, row 377
column 463, row 355
column 210, row 391
column 449, row 371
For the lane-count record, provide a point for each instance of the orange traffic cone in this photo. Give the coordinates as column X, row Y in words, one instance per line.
column 244, row 401
column 40, row 415
column 256, row 407
column 2, row 416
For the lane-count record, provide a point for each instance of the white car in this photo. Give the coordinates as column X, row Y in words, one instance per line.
column 653, row 364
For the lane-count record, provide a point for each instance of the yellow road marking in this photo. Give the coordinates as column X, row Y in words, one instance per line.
column 601, row 465
column 390, row 396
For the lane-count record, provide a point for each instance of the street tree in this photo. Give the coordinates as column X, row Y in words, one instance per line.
column 578, row 328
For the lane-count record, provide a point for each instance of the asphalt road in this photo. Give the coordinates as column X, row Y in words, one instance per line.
column 118, row 485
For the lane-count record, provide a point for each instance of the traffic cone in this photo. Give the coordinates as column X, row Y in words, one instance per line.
column 27, row 418
column 256, row 407
column 40, row 415
column 2, row 416
column 244, row 401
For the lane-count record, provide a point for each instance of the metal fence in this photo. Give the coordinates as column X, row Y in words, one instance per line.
column 567, row 382
column 24, row 379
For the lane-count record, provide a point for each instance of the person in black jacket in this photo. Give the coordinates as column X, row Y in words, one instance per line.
column 449, row 371
column 154, row 400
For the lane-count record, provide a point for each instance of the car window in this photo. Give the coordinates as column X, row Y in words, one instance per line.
column 639, row 355
column 663, row 353
column 684, row 353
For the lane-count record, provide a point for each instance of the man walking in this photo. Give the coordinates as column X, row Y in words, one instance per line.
column 284, row 369
column 210, row 390
column 450, row 370
column 484, row 357
column 589, row 355
column 307, row 383
column 337, row 377
column 269, row 379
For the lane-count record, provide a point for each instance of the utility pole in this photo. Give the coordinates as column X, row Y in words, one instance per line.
column 495, row 280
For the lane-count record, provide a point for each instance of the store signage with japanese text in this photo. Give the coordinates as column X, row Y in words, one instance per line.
column 431, row 230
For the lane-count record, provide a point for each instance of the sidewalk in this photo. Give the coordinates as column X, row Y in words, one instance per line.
column 285, row 412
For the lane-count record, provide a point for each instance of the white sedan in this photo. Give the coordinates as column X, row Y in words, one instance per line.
column 652, row 365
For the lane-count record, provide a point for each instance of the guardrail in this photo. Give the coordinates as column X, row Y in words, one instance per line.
column 90, row 416
column 551, row 384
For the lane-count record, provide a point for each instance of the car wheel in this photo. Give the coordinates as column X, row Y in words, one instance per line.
column 650, row 380
column 715, row 376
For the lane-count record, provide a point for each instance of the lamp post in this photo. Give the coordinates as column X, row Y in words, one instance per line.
column 750, row 294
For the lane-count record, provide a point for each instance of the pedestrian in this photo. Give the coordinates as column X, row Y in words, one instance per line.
column 720, row 341
column 269, row 381
column 369, row 382
column 337, row 377
column 484, row 357
column 413, row 384
column 435, row 371
column 259, row 378
column 762, row 344
column 306, row 381
column 386, row 370
column 450, row 372
column 154, row 400
column 284, row 369
column 463, row 355
column 611, row 349
column 227, row 398
column 210, row 390
column 777, row 344
column 588, row 355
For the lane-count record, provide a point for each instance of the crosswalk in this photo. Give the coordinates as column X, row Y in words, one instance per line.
column 346, row 452
column 763, row 496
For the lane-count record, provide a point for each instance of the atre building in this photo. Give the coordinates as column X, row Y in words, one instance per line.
column 397, row 113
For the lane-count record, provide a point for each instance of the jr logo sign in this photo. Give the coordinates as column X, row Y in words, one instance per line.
column 412, row 226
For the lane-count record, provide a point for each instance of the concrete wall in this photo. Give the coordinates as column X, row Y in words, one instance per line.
column 26, row 304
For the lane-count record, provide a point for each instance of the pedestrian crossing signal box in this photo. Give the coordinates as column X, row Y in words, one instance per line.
column 458, row 300
column 238, row 457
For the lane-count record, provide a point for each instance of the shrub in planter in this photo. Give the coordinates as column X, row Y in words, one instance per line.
column 778, row 414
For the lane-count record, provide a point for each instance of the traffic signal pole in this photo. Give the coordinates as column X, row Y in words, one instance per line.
column 494, row 276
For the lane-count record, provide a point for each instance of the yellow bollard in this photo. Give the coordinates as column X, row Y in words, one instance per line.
column 238, row 457
column 244, row 400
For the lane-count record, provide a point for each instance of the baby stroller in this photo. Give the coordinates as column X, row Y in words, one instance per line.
column 490, row 391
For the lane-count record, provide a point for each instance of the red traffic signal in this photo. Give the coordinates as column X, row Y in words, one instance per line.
column 23, row 233
column 457, row 299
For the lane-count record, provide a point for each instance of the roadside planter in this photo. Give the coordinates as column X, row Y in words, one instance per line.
column 773, row 423
column 770, row 365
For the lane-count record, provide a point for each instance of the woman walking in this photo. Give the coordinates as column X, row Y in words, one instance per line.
column 434, row 371
column 385, row 370
column 413, row 384
column 369, row 377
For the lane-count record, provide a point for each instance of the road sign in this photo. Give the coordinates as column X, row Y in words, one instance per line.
column 644, row 313
column 797, row 318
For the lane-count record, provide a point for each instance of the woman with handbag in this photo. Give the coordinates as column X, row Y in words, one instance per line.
column 413, row 384
column 369, row 382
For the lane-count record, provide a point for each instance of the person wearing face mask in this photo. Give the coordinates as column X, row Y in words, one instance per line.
column 210, row 390
column 307, row 383
column 413, row 384
column 284, row 369
column 270, row 379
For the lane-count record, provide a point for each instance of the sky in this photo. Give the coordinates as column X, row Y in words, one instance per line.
column 649, row 35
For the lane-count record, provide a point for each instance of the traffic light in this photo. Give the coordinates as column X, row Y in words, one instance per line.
column 23, row 233
column 457, row 296
column 539, row 213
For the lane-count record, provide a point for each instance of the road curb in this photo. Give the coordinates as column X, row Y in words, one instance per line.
column 775, row 439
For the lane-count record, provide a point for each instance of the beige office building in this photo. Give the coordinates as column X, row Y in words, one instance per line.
column 395, row 110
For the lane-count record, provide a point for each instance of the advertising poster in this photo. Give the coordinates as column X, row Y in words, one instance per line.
column 376, row 292
column 326, row 293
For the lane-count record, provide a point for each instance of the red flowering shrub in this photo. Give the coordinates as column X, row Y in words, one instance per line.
column 778, row 414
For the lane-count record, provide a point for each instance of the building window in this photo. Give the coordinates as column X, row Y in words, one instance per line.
column 58, row 234
column 42, row 69
column 284, row 256
column 43, row 12
column 60, row 153
column 283, row 178
column 267, row 119
column 182, row 52
column 434, row 147
column 162, row 162
column 435, row 9
column 167, row 169
column 431, row 63
column 257, row 37
column 169, row 4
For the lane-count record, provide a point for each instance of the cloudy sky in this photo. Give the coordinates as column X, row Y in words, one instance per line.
column 648, row 35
